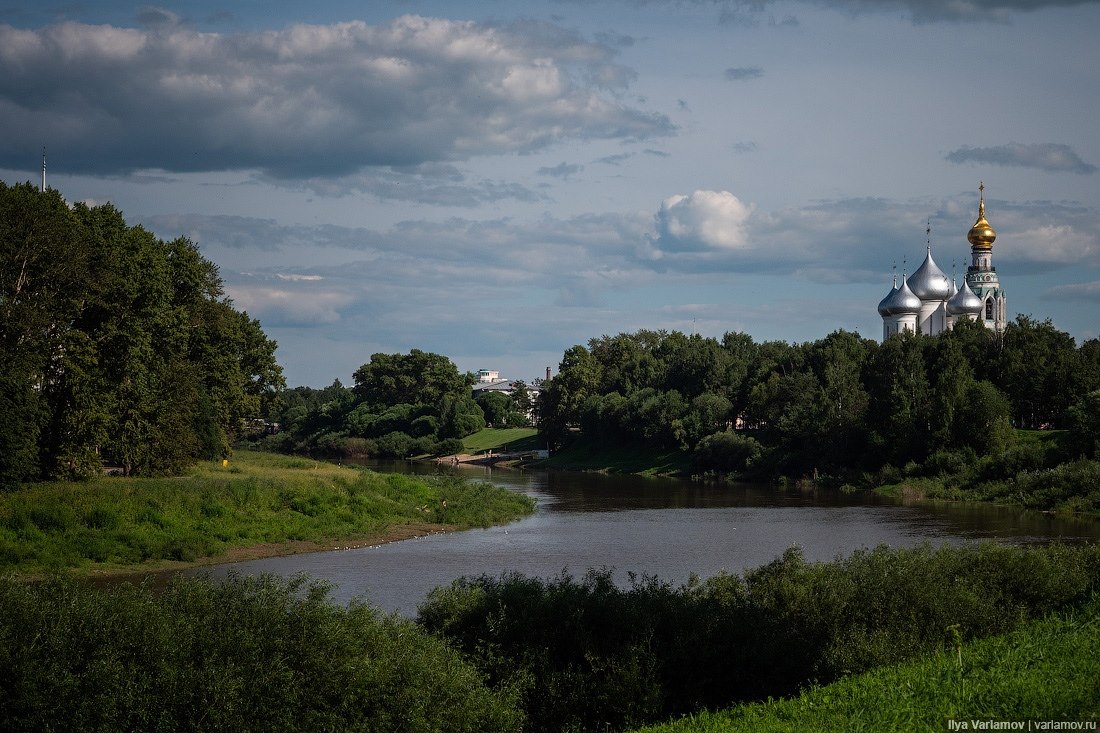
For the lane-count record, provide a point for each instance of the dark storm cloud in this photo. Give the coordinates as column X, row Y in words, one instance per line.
column 308, row 100
column 1050, row 157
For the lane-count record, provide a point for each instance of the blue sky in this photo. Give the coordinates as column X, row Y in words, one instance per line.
column 497, row 181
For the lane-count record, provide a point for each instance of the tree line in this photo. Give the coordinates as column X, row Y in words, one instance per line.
column 400, row 405
column 840, row 405
column 117, row 348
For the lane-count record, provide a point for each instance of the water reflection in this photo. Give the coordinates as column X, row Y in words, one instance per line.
column 652, row 526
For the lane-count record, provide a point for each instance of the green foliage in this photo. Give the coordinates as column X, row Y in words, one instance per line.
column 245, row 654
column 725, row 453
column 259, row 498
column 1047, row 670
column 843, row 407
column 588, row 654
column 1083, row 420
column 117, row 348
column 402, row 405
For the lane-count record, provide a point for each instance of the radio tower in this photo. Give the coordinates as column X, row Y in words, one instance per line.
column 43, row 169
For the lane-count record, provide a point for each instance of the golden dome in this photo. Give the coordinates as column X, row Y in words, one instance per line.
column 981, row 235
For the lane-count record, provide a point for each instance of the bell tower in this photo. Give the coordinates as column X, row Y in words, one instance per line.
column 981, row 275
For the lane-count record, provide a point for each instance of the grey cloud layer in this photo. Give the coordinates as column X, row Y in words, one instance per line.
column 921, row 11
column 308, row 100
column 1051, row 157
column 579, row 261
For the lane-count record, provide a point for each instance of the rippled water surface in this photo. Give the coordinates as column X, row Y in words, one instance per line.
column 667, row 528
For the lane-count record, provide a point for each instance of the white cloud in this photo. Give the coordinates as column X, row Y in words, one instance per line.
column 282, row 306
column 702, row 220
column 1089, row 292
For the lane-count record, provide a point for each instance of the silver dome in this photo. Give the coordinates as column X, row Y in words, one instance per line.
column 884, row 304
column 929, row 282
column 964, row 302
column 900, row 301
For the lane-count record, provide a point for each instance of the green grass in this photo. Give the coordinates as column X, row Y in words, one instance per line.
column 1048, row 670
column 502, row 439
column 583, row 456
column 258, row 499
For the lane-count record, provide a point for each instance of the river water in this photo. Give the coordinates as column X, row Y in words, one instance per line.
column 669, row 528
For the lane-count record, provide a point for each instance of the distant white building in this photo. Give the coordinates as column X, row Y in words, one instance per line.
column 486, row 376
column 928, row 302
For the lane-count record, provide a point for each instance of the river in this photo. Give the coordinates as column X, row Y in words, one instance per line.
column 669, row 528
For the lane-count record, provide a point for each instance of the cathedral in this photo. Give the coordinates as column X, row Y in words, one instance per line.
column 929, row 303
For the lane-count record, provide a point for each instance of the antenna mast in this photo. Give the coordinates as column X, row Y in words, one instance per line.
column 43, row 169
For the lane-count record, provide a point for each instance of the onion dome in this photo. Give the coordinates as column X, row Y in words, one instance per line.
column 929, row 282
column 964, row 302
column 900, row 301
column 981, row 235
column 884, row 304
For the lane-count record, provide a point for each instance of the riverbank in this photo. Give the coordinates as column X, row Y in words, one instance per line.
column 1045, row 671
column 255, row 505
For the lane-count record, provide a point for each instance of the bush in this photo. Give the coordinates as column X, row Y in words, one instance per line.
column 590, row 655
column 449, row 447
column 246, row 654
column 395, row 445
column 726, row 452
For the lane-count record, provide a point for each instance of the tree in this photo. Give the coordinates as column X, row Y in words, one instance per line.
column 116, row 346
column 419, row 377
column 1084, row 425
column 985, row 411
column 1036, row 371
column 496, row 406
column 562, row 400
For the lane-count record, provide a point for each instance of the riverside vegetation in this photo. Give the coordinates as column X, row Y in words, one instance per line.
column 515, row 653
column 260, row 498
column 931, row 416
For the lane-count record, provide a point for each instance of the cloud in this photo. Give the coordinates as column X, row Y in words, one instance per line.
column 703, row 220
column 439, row 184
column 307, row 101
column 289, row 306
column 1050, row 157
column 744, row 73
column 748, row 12
column 561, row 170
column 1086, row 292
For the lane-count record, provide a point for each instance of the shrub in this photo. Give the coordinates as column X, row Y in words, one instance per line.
column 246, row 654
column 589, row 654
column 726, row 452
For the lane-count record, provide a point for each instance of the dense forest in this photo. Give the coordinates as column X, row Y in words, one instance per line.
column 117, row 349
column 842, row 406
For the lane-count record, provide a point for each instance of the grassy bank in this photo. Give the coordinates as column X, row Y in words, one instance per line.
column 502, row 440
column 1038, row 470
column 112, row 523
column 1047, row 670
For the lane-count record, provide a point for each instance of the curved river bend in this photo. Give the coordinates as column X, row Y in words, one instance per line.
column 667, row 528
